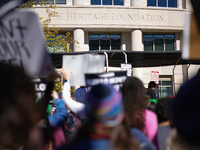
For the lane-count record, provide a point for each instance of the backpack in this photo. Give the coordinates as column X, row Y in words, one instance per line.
column 71, row 126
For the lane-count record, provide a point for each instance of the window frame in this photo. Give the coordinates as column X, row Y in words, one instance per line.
column 167, row 5
column 108, row 5
column 160, row 86
column 164, row 38
column 109, row 33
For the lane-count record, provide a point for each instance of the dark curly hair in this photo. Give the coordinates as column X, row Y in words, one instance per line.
column 151, row 84
column 135, row 102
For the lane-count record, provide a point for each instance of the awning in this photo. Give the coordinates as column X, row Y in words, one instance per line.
column 136, row 58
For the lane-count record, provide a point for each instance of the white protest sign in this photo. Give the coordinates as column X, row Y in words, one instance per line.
column 114, row 78
column 155, row 76
column 22, row 43
column 81, row 64
column 127, row 67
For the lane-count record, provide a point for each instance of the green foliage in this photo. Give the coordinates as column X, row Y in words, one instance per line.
column 55, row 42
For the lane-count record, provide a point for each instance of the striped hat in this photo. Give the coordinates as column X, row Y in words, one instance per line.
column 104, row 105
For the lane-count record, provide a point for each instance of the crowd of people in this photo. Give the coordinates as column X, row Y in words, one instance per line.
column 101, row 118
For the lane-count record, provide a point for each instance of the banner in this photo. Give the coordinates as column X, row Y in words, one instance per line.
column 40, row 86
column 114, row 78
column 22, row 43
column 127, row 67
column 81, row 64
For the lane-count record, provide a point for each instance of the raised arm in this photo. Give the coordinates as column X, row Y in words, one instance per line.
column 41, row 106
column 76, row 107
column 61, row 114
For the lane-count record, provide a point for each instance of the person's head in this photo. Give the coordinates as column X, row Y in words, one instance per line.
column 105, row 117
column 186, row 111
column 151, row 84
column 135, row 102
column 104, row 105
column 163, row 109
column 17, row 100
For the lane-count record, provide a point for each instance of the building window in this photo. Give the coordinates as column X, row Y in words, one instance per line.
column 159, row 42
column 104, row 41
column 165, row 87
column 59, row 2
column 107, row 2
column 162, row 3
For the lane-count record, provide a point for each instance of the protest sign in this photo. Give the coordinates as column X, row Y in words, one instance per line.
column 40, row 86
column 22, row 43
column 191, row 38
column 114, row 78
column 81, row 64
column 127, row 67
column 9, row 5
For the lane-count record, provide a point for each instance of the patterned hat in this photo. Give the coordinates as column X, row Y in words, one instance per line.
column 104, row 105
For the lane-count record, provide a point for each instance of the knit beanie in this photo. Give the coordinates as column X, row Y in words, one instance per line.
column 186, row 110
column 104, row 105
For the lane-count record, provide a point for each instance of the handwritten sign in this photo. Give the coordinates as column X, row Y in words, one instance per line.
column 22, row 43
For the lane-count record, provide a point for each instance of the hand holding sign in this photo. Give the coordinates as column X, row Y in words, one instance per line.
column 66, row 74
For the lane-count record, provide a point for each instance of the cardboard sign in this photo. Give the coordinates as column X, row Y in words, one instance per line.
column 114, row 78
column 196, row 6
column 155, row 76
column 127, row 67
column 22, row 43
column 81, row 64
column 191, row 38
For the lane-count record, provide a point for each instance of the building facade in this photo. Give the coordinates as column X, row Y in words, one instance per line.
column 128, row 25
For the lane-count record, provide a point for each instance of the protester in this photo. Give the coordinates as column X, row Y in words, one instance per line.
column 18, row 112
column 151, row 90
column 103, row 127
column 163, row 111
column 136, row 113
column 52, row 136
column 60, row 115
column 186, row 120
column 76, row 107
column 67, row 120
